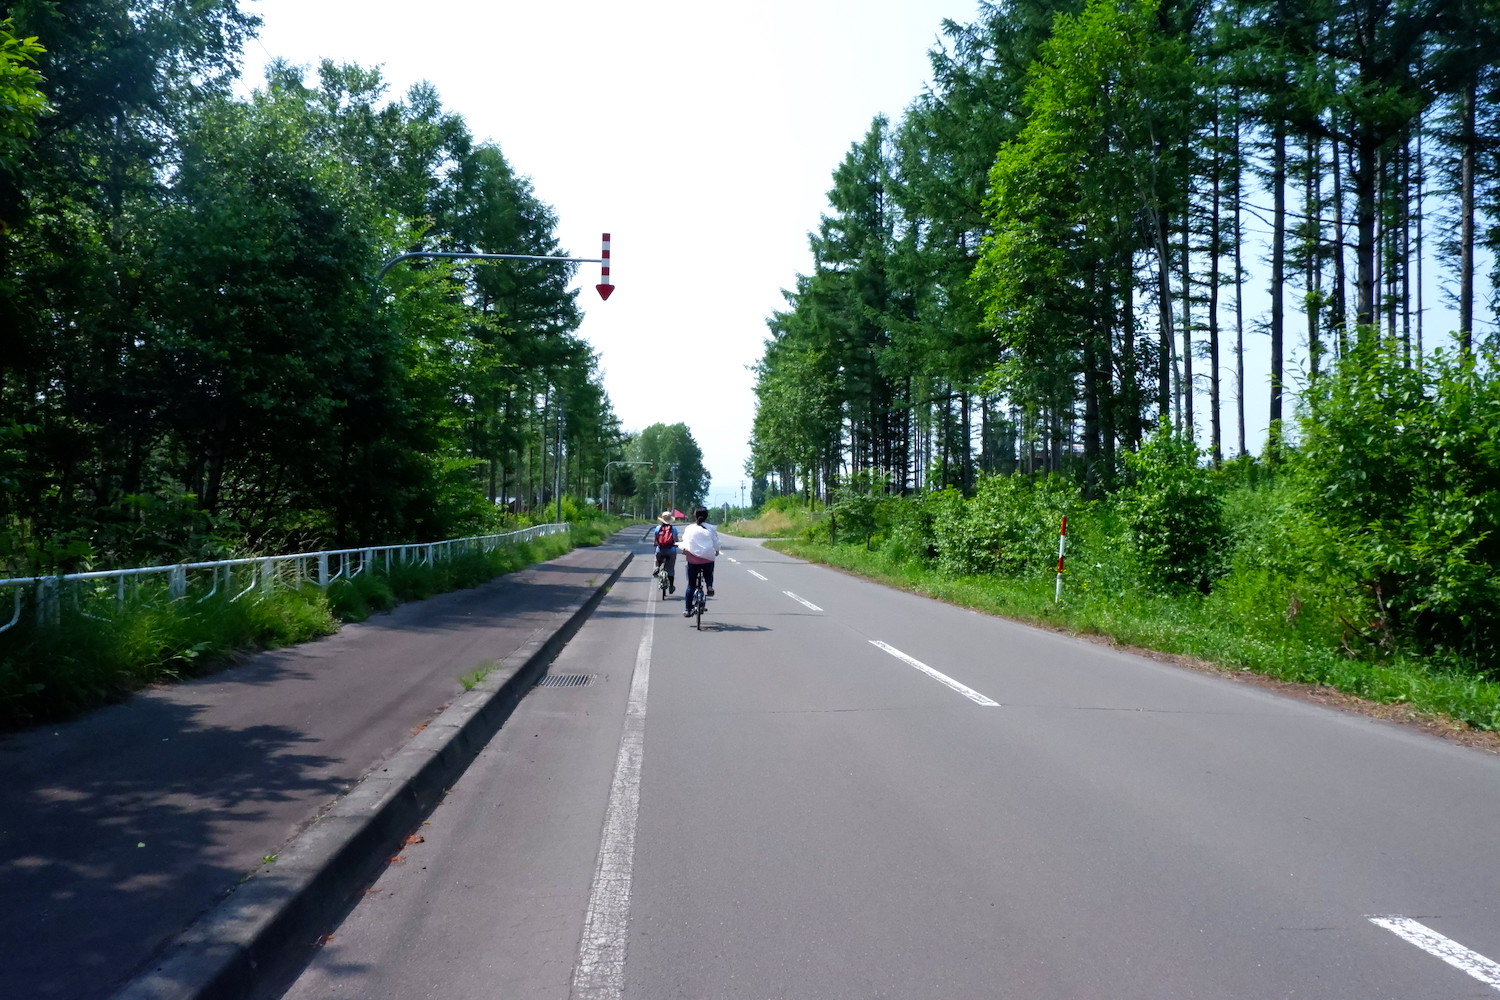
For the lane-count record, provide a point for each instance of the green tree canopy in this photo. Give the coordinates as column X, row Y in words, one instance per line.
column 668, row 447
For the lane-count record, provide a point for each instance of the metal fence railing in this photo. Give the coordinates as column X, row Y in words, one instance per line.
column 239, row 577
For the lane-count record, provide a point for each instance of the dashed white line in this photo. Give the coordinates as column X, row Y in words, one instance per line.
column 962, row 689
column 600, row 971
column 802, row 600
column 755, row 574
column 1447, row 949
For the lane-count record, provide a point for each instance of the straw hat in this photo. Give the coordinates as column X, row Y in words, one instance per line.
column 665, row 517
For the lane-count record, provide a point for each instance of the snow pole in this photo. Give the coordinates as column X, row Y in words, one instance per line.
column 1062, row 548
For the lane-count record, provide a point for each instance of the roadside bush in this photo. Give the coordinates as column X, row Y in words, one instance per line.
column 1400, row 469
column 1008, row 527
column 857, row 507
column 1101, row 560
column 1174, row 513
column 911, row 532
column 354, row 600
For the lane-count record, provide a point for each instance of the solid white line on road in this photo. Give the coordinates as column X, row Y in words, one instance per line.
column 1448, row 950
column 802, row 600
column 600, row 971
column 962, row 689
column 755, row 574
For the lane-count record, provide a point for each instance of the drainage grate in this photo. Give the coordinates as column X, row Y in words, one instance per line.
column 567, row 680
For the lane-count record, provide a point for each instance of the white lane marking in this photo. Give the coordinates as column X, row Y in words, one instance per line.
column 600, row 970
column 962, row 689
column 1448, row 950
column 734, row 560
column 755, row 574
column 802, row 600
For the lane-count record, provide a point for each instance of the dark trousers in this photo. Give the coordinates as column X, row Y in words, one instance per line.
column 667, row 559
column 696, row 572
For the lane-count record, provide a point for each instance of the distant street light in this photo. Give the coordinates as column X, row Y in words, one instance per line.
column 605, row 489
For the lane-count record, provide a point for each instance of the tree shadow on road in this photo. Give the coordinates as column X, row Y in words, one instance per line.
column 115, row 828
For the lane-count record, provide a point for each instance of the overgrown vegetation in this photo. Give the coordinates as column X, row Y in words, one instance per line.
column 100, row 651
column 780, row 517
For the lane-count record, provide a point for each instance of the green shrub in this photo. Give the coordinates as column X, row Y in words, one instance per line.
column 911, row 533
column 1400, row 469
column 858, row 505
column 1175, row 513
column 1010, row 526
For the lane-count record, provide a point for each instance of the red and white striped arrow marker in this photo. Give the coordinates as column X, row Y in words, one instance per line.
column 604, row 288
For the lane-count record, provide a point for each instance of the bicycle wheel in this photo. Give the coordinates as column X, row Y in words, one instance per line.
column 700, row 604
column 664, row 583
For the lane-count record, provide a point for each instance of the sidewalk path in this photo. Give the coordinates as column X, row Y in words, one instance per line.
column 122, row 829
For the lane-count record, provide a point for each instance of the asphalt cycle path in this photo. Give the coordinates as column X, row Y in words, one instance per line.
column 841, row 790
column 120, row 829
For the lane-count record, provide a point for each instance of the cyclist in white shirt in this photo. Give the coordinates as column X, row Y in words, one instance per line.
column 699, row 544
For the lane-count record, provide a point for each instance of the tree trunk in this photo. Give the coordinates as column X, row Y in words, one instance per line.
column 1278, row 284
column 1215, row 243
column 1467, row 143
column 1164, row 366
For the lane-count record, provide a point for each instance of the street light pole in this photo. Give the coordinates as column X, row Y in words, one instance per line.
column 605, row 489
column 604, row 288
column 558, row 462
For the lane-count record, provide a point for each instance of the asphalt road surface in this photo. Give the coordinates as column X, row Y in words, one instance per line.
column 836, row 790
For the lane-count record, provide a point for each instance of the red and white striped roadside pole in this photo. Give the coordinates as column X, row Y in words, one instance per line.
column 1062, row 548
column 605, row 287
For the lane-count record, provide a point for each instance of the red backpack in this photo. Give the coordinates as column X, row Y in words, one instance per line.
column 664, row 536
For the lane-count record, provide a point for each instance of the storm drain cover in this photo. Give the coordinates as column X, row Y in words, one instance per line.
column 566, row 680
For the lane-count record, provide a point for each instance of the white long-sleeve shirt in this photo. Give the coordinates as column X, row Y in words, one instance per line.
column 700, row 542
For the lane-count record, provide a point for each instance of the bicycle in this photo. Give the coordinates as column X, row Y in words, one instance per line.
column 700, row 602
column 664, row 580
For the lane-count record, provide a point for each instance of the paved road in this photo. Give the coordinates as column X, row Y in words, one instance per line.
column 841, row 791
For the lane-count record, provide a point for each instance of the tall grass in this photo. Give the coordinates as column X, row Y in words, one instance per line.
column 782, row 517
column 100, row 651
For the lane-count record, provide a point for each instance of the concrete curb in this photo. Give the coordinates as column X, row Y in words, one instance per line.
column 263, row 931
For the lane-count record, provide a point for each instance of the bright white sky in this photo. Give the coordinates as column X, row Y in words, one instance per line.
column 701, row 136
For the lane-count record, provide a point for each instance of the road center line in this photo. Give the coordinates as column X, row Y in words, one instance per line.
column 755, row 574
column 1448, row 950
column 962, row 689
column 599, row 973
column 802, row 600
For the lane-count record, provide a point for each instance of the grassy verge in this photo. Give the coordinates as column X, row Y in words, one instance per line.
column 1210, row 629
column 771, row 523
column 100, row 651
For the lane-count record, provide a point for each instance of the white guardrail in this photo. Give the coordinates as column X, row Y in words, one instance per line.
column 256, row 574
